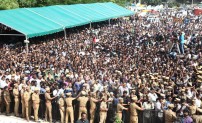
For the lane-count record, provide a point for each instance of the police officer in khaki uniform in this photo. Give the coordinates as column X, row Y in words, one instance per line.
column 103, row 110
column 69, row 109
column 170, row 116
column 16, row 99
column 193, row 109
column 120, row 108
column 7, row 99
column 133, row 110
column 36, row 102
column 22, row 100
column 27, row 100
column 48, row 104
column 82, row 103
column 61, row 103
column 93, row 102
column 1, row 102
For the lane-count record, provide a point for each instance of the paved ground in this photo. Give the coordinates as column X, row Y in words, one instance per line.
column 13, row 119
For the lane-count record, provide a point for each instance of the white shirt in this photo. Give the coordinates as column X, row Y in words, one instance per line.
column 152, row 97
column 55, row 93
column 147, row 105
column 60, row 92
column 198, row 103
column 32, row 88
column 158, row 105
column 17, row 77
column 38, row 81
column 3, row 83
column 8, row 77
column 122, row 89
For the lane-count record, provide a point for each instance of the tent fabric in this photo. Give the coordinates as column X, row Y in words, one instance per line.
column 28, row 23
column 33, row 22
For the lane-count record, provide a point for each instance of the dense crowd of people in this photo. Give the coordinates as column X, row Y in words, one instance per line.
column 119, row 69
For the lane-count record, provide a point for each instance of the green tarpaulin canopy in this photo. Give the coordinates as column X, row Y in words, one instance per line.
column 33, row 22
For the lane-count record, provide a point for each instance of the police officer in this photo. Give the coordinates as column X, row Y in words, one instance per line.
column 7, row 99
column 27, row 100
column 93, row 102
column 82, row 103
column 16, row 99
column 69, row 109
column 22, row 100
column 133, row 110
column 36, row 102
column 48, row 104
column 170, row 116
column 103, row 110
column 193, row 109
column 1, row 102
column 120, row 108
column 61, row 103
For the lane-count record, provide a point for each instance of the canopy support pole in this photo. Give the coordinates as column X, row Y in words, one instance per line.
column 26, row 41
column 65, row 34
column 109, row 22
column 12, row 35
column 90, row 25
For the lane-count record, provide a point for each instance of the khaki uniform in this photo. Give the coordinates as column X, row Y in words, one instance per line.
column 8, row 99
column 119, row 111
column 16, row 99
column 48, row 107
column 133, row 112
column 36, row 102
column 82, row 107
column 61, row 103
column 92, row 109
column 103, row 113
column 23, row 102
column 1, row 102
column 27, row 104
column 69, row 110
column 196, row 118
column 170, row 116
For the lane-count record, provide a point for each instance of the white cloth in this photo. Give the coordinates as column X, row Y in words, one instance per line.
column 152, row 97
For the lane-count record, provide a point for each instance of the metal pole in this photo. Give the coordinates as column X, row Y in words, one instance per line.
column 90, row 25
column 27, row 44
column 65, row 34
column 12, row 34
column 109, row 22
column 192, row 3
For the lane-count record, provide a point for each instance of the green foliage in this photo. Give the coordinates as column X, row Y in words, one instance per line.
column 11, row 4
column 152, row 2
column 174, row 4
column 8, row 4
column 27, row 3
column 117, row 120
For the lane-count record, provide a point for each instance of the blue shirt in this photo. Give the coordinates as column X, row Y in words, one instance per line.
column 182, row 41
column 187, row 119
column 77, row 86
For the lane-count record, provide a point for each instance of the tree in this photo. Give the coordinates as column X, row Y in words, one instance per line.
column 8, row 4
column 27, row 3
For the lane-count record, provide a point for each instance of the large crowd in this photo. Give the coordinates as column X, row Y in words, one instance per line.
column 128, row 66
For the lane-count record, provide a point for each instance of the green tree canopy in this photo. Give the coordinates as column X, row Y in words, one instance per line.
column 8, row 4
column 27, row 3
column 11, row 4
